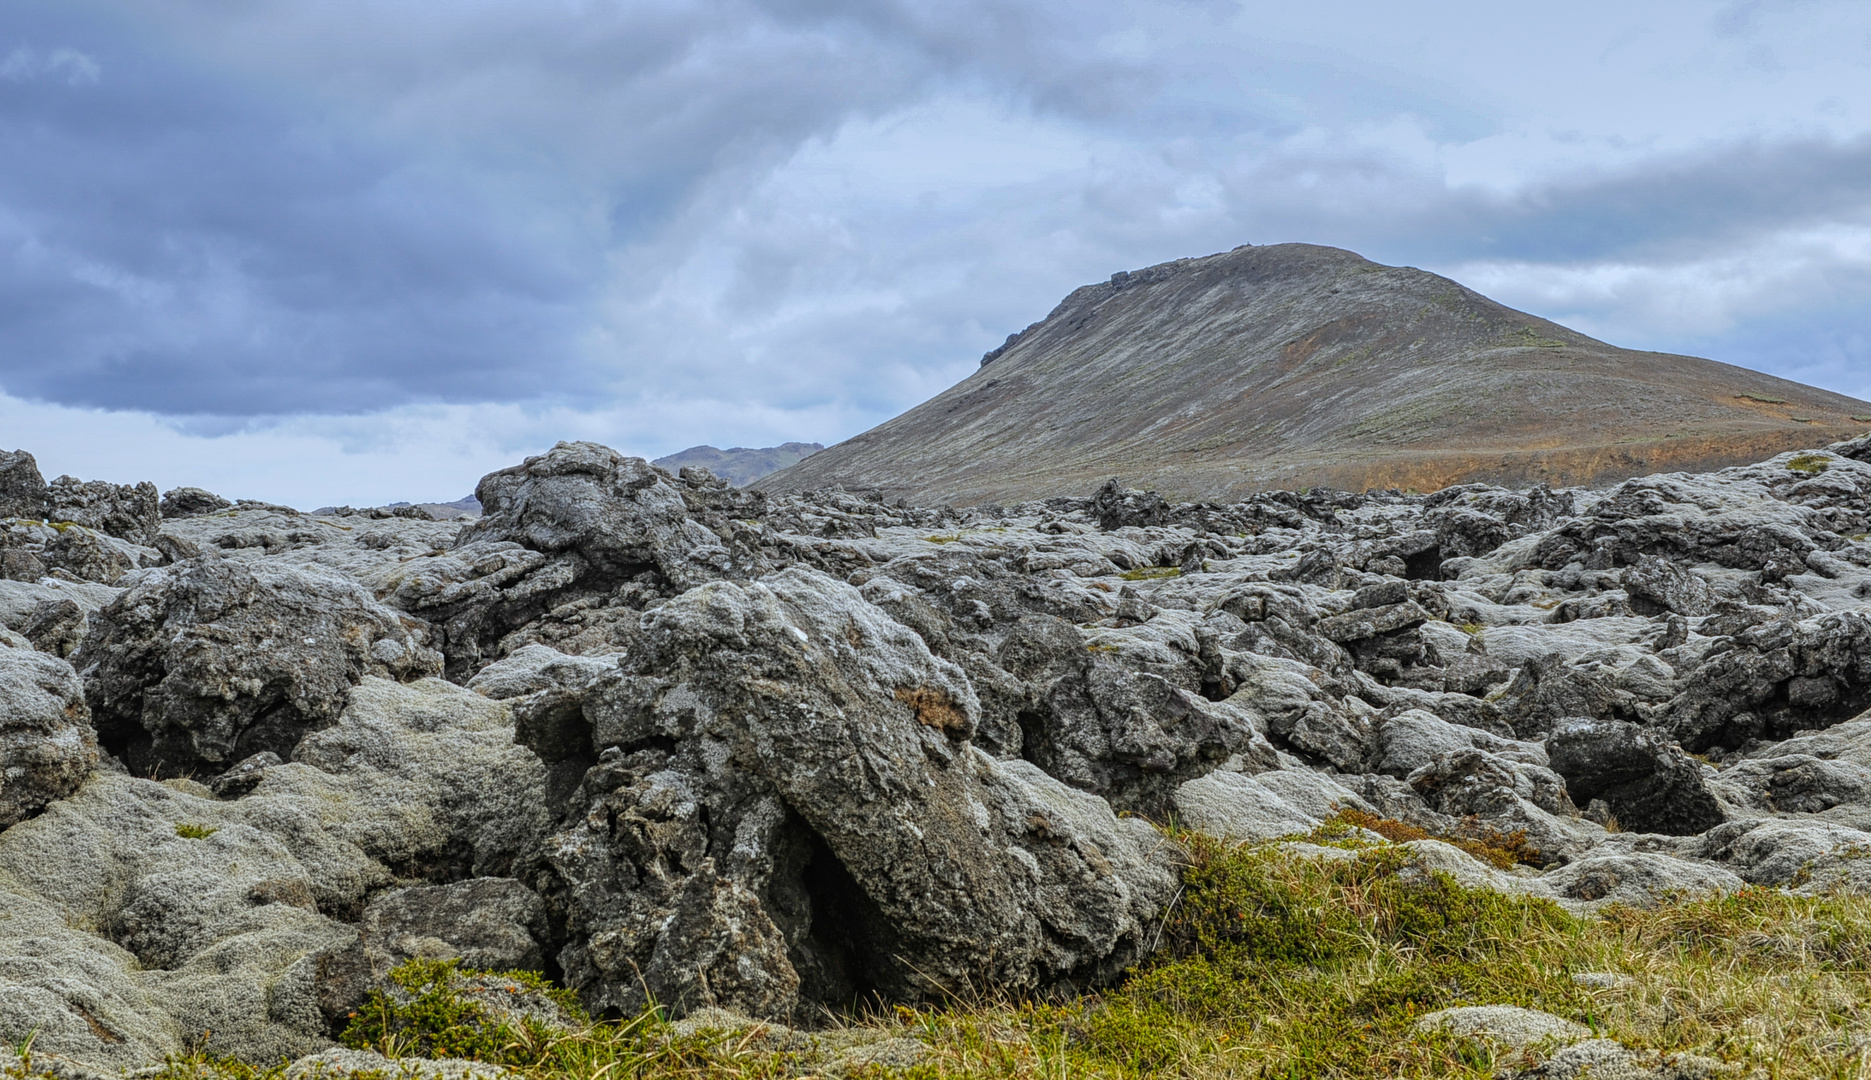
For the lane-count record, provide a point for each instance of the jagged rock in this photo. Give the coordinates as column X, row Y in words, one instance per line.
column 121, row 510
column 209, row 661
column 1648, row 782
column 81, row 552
column 487, row 924
column 138, row 914
column 56, row 626
column 1656, row 584
column 22, row 488
column 785, row 766
column 1116, row 507
column 578, row 528
column 47, row 746
column 1131, row 737
column 1414, row 737
column 191, row 502
column 1776, row 678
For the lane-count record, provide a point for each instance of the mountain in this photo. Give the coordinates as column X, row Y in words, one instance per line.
column 741, row 466
column 1293, row 365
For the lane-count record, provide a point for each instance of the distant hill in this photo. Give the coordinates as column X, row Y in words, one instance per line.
column 1293, row 365
column 741, row 466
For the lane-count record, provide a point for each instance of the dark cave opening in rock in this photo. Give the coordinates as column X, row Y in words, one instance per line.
column 1425, row 565
column 845, row 957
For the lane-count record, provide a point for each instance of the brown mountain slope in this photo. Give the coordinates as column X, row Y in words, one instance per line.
column 1294, row 365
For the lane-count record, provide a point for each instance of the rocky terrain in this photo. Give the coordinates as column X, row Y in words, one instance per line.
column 662, row 738
column 740, row 465
column 1294, row 366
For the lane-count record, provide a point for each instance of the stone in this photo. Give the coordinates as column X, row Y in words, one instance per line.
column 184, row 502
column 47, row 747
column 128, row 512
column 1645, row 780
column 784, row 765
column 137, row 914
column 485, row 924
column 56, row 626
column 1509, row 1025
column 22, row 488
column 209, row 661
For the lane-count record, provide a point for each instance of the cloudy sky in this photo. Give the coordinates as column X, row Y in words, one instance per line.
column 333, row 251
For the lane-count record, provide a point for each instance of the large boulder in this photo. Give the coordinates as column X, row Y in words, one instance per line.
column 581, row 530
column 1643, row 778
column 128, row 512
column 184, row 502
column 211, row 660
column 47, row 746
column 22, row 488
column 787, row 810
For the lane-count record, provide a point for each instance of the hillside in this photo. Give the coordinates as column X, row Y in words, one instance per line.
column 1292, row 366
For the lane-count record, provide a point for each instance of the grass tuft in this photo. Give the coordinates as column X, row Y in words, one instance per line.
column 1810, row 464
column 1151, row 573
column 195, row 832
column 1273, row 963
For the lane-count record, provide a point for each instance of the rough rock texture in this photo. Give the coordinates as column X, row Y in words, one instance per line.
column 1642, row 777
column 787, row 808
column 777, row 753
column 47, row 746
column 22, row 488
column 191, row 502
column 121, row 510
column 208, row 661
column 488, row 924
column 135, row 915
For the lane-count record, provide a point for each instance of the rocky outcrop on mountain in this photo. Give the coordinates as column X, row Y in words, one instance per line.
column 775, row 754
column 1298, row 366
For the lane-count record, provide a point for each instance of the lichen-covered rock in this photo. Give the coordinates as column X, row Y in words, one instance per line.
column 47, row 746
column 786, row 767
column 211, row 660
column 22, row 488
column 184, row 502
column 128, row 512
column 135, row 915
column 1647, row 781
column 484, row 924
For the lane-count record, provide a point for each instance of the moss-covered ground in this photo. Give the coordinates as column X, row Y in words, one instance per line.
column 1276, row 964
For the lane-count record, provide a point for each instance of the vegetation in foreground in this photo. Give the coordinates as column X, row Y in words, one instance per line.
column 1272, row 965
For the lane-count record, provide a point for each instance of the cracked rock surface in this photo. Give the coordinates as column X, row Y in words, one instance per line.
column 766, row 753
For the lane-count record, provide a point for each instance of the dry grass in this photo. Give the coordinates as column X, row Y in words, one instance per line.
column 1278, row 965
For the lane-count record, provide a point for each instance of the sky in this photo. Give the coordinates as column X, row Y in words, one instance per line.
column 345, row 252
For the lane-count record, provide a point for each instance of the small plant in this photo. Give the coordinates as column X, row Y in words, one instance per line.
column 1762, row 400
column 1801, row 419
column 191, row 831
column 1862, row 419
column 943, row 538
column 1810, row 464
column 1151, row 573
column 429, row 1011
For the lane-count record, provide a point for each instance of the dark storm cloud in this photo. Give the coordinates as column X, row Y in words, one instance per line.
column 236, row 211
column 181, row 243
